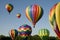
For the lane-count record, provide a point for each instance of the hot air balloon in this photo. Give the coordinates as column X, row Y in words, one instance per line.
column 9, row 7
column 44, row 34
column 18, row 15
column 54, row 18
column 13, row 33
column 24, row 30
column 34, row 13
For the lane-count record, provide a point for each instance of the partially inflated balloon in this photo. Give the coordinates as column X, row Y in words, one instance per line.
column 18, row 15
column 9, row 7
column 34, row 13
column 54, row 18
column 13, row 33
column 24, row 30
column 43, row 32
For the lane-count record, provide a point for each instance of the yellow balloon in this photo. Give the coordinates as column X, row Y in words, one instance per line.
column 54, row 18
column 58, row 15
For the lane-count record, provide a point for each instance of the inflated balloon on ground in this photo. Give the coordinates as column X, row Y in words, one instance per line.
column 13, row 33
column 34, row 13
column 44, row 32
column 24, row 30
column 54, row 18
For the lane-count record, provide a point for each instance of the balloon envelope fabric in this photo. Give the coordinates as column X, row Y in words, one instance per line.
column 43, row 32
column 24, row 30
column 54, row 18
column 13, row 33
column 34, row 13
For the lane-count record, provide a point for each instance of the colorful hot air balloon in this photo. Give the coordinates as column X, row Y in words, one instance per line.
column 24, row 30
column 44, row 34
column 9, row 7
column 34, row 13
column 13, row 33
column 18, row 15
column 54, row 18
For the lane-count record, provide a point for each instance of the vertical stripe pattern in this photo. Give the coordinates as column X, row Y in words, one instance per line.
column 44, row 32
column 54, row 18
column 33, row 13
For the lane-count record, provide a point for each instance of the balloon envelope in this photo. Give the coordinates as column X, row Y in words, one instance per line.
column 24, row 30
column 34, row 13
column 13, row 33
column 18, row 15
column 9, row 7
column 54, row 18
column 43, row 32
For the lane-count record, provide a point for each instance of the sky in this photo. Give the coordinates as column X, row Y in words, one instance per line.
column 8, row 22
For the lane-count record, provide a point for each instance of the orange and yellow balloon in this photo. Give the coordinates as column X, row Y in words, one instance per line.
column 34, row 13
column 13, row 33
column 54, row 18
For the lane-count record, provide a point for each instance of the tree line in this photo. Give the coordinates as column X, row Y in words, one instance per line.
column 35, row 37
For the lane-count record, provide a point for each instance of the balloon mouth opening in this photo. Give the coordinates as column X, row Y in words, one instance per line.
column 33, row 24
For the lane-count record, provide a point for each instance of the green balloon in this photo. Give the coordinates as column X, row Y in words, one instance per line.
column 44, row 32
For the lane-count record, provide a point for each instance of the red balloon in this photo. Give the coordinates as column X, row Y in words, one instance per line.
column 18, row 15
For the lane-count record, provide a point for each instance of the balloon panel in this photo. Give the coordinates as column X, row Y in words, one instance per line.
column 54, row 18
column 44, row 32
column 34, row 13
column 24, row 30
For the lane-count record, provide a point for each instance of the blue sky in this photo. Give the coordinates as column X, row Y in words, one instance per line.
column 8, row 22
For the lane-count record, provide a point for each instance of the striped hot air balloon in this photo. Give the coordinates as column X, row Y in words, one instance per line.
column 44, row 34
column 24, row 30
column 34, row 13
column 54, row 18
column 13, row 33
